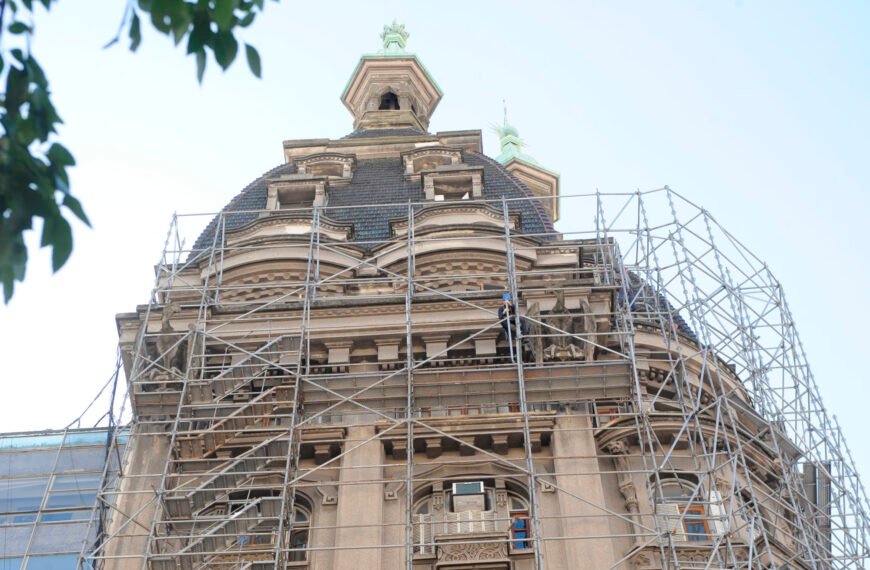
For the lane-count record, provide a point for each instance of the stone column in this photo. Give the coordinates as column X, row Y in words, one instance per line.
column 360, row 504
column 578, row 475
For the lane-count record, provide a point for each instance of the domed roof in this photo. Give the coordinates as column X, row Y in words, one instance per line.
column 382, row 181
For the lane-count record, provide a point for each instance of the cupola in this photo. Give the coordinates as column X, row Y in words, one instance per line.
column 543, row 183
column 391, row 88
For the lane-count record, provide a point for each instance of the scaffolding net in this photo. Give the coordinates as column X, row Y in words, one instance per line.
column 630, row 392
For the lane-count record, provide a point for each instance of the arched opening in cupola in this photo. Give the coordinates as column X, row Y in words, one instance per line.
column 389, row 102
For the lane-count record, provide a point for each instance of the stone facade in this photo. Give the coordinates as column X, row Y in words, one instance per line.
column 326, row 382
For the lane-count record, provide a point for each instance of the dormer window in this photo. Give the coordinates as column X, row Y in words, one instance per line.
column 295, row 192
column 389, row 102
column 338, row 168
column 453, row 183
column 430, row 158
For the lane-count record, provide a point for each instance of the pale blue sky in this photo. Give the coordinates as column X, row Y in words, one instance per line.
column 756, row 110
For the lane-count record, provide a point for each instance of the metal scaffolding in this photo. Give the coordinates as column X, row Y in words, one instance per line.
column 655, row 336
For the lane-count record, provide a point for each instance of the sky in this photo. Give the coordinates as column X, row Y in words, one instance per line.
column 758, row 111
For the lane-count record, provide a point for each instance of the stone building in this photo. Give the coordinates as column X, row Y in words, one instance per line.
column 381, row 354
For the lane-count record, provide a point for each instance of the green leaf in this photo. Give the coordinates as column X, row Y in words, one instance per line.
column 180, row 15
column 253, row 59
column 200, row 65
column 248, row 19
column 198, row 34
column 16, row 90
column 40, row 204
column 19, row 28
column 61, row 181
column 160, row 14
column 223, row 13
column 35, row 73
column 61, row 243
column 135, row 33
column 58, row 154
column 180, row 26
column 8, row 284
column 225, row 49
column 47, row 229
column 76, row 208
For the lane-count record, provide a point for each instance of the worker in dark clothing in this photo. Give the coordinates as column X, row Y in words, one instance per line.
column 508, row 323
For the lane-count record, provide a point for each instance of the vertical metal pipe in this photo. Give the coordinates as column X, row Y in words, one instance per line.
column 521, row 385
column 288, row 495
column 409, row 404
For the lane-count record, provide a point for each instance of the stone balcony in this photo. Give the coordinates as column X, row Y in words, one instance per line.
column 469, row 539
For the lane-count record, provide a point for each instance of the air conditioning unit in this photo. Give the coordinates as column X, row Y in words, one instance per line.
column 468, row 488
column 468, row 496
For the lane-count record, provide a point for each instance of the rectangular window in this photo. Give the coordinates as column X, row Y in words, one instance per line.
column 73, row 491
column 22, row 495
column 521, row 530
column 695, row 523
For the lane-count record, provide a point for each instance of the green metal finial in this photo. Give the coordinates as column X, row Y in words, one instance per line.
column 395, row 38
column 510, row 142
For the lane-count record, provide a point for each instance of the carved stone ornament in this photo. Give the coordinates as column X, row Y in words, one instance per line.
column 170, row 348
column 618, row 447
column 642, row 560
column 326, row 488
column 629, row 493
column 563, row 324
column 470, row 551
column 391, row 490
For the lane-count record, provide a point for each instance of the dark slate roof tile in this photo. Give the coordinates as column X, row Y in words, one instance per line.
column 381, row 184
column 377, row 133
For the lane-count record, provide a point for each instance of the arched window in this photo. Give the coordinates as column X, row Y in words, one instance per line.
column 680, row 508
column 263, row 535
column 520, row 523
column 424, row 526
column 298, row 543
column 389, row 102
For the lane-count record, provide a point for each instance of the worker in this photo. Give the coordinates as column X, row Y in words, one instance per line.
column 508, row 323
